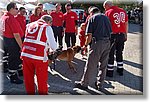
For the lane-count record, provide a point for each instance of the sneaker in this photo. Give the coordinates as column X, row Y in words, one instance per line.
column 14, row 78
column 109, row 73
column 120, row 71
column 78, row 85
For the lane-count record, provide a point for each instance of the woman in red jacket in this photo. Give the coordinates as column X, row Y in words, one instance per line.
column 36, row 15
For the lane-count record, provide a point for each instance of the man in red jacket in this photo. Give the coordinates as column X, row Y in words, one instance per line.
column 57, row 25
column 12, row 41
column 70, row 25
column 119, row 22
column 39, row 39
column 21, row 18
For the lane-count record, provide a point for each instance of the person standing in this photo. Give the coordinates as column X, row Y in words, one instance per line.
column 41, row 6
column 39, row 39
column 70, row 26
column 21, row 18
column 36, row 15
column 12, row 42
column 119, row 22
column 57, row 25
column 98, row 32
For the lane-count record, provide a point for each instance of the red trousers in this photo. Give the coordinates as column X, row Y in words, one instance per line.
column 32, row 67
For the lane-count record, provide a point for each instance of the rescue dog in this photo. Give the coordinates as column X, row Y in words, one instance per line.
column 68, row 56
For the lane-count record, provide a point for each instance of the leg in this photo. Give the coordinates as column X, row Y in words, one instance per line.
column 28, row 72
column 91, row 65
column 42, row 77
column 55, row 32
column 73, row 39
column 110, row 65
column 60, row 36
column 119, row 53
column 103, row 64
column 67, row 39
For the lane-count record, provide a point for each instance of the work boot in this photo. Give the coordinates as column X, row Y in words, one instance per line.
column 13, row 77
column 109, row 73
column 120, row 71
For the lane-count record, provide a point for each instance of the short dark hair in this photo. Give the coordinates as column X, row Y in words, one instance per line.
column 10, row 5
column 21, row 8
column 68, row 4
column 39, row 4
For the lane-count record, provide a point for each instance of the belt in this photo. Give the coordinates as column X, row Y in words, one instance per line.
column 57, row 26
column 104, row 38
column 117, row 33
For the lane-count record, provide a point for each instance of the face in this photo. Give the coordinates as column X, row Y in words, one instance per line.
column 38, row 11
column 14, row 10
column 68, row 8
column 41, row 6
column 23, row 12
column 58, row 8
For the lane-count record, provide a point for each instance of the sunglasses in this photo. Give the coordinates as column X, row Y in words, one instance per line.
column 16, row 8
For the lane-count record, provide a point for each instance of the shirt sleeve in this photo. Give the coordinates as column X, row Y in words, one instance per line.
column 50, row 38
column 89, row 28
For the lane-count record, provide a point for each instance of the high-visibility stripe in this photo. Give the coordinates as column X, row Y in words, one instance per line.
column 35, row 41
column 119, row 66
column 110, row 69
column 40, row 32
column 119, row 62
column 110, row 65
column 32, row 56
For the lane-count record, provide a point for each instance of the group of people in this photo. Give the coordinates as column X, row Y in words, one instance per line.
column 29, row 45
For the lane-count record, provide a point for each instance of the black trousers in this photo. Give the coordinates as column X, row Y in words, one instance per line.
column 13, row 50
column 70, row 37
column 58, row 33
column 117, row 47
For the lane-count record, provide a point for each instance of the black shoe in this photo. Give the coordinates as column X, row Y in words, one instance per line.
column 78, row 85
column 109, row 73
column 20, row 72
column 120, row 71
column 14, row 78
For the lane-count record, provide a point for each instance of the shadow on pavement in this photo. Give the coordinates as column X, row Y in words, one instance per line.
column 133, row 64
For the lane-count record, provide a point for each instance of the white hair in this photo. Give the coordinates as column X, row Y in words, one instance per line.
column 108, row 2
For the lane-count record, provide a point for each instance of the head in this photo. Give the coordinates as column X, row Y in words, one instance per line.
column 68, row 7
column 37, row 11
column 107, row 4
column 58, row 7
column 94, row 10
column 40, row 5
column 12, row 8
column 48, row 19
column 22, row 10
column 76, row 49
column 82, row 26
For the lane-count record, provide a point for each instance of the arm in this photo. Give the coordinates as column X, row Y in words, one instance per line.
column 18, row 39
column 76, row 27
column 50, row 38
column 88, row 39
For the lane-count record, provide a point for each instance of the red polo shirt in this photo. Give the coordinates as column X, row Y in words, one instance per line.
column 10, row 26
column 34, row 18
column 70, row 19
column 22, row 21
column 58, row 18
column 117, row 17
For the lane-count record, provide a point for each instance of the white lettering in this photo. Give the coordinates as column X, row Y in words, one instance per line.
column 30, row 48
column 119, row 17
